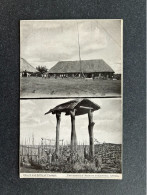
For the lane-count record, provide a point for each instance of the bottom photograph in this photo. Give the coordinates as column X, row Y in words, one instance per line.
column 71, row 138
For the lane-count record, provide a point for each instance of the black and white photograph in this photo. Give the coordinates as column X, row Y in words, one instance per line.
column 71, row 138
column 73, row 97
column 71, row 58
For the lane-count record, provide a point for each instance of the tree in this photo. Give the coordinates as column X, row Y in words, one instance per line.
column 41, row 69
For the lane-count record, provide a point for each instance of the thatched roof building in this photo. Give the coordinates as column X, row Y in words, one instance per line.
column 80, row 105
column 25, row 66
column 87, row 67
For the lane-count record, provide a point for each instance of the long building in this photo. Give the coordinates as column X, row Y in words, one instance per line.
column 84, row 68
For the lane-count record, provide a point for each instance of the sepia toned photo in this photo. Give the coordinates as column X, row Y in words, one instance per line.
column 71, row 99
column 70, row 58
column 71, row 138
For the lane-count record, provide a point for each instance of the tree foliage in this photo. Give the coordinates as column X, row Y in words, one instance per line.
column 41, row 69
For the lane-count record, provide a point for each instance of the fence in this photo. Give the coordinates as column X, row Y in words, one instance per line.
column 109, row 153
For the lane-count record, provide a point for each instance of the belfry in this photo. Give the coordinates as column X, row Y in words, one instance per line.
column 75, row 108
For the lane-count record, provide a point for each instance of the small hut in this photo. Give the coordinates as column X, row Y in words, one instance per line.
column 75, row 108
column 83, row 68
column 26, row 68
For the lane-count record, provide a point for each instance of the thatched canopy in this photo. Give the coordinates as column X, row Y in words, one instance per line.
column 81, row 106
column 25, row 66
column 86, row 66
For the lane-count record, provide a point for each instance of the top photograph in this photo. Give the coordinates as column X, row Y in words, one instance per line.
column 71, row 58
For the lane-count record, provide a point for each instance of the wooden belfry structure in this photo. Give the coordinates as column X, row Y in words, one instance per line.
column 75, row 108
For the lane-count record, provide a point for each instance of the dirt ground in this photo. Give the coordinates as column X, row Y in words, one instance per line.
column 38, row 87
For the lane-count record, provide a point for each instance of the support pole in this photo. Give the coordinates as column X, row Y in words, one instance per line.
column 91, row 137
column 38, row 152
column 73, row 132
column 58, row 117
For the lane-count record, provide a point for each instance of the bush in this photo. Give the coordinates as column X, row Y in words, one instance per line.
column 85, row 168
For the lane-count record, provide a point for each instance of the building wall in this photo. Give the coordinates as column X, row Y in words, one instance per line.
column 99, row 75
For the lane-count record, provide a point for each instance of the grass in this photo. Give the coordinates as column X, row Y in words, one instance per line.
column 38, row 87
column 76, row 168
column 31, row 170
column 68, row 167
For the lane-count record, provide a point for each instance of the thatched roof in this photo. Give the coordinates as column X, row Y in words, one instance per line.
column 24, row 65
column 86, row 66
column 81, row 105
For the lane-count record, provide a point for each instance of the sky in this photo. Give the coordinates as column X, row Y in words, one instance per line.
column 47, row 42
column 33, row 122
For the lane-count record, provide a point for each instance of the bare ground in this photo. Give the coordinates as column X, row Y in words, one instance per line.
column 38, row 87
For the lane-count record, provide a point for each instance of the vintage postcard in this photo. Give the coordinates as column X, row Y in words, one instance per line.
column 71, row 138
column 71, row 99
column 70, row 58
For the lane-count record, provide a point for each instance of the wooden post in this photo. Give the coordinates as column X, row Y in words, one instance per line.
column 22, row 150
column 58, row 117
column 42, row 152
column 38, row 153
column 22, row 155
column 28, row 150
column 73, row 132
column 91, row 138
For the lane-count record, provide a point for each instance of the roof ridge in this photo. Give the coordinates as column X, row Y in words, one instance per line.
column 80, row 60
column 94, row 65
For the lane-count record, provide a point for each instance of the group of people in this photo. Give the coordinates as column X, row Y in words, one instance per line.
column 43, row 76
column 25, row 74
